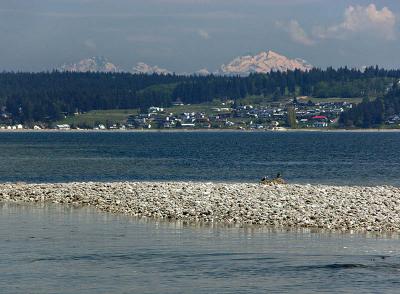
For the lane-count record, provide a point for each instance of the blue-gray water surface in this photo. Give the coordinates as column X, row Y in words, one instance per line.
column 353, row 158
column 56, row 249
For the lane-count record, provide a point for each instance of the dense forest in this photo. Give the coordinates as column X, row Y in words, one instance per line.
column 47, row 96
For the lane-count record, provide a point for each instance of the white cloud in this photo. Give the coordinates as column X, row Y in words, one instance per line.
column 204, row 34
column 357, row 20
column 361, row 19
column 296, row 32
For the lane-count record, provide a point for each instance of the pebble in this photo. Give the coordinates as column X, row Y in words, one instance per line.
column 312, row 206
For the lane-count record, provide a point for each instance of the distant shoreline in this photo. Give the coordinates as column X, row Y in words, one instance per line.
column 204, row 131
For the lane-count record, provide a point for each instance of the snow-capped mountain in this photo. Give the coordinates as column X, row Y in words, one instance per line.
column 144, row 68
column 263, row 62
column 202, row 72
column 92, row 64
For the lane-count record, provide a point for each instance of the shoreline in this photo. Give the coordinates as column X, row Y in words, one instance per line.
column 335, row 208
column 204, row 131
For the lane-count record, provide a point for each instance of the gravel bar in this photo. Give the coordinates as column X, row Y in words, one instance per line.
column 310, row 206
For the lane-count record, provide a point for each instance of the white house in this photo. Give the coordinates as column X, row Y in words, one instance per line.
column 63, row 127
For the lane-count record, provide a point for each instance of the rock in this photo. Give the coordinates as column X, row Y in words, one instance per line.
column 326, row 207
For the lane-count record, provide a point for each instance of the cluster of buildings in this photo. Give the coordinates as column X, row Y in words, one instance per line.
column 225, row 115
column 393, row 120
column 319, row 115
column 229, row 115
column 157, row 117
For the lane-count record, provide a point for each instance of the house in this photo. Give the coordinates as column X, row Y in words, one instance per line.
column 187, row 125
column 394, row 119
column 63, row 127
column 203, row 122
column 223, row 116
column 155, row 109
column 320, row 121
column 319, row 117
column 320, row 124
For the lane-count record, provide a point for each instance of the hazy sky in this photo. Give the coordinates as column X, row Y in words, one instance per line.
column 186, row 35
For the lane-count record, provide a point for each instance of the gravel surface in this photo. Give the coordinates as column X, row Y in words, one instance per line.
column 313, row 206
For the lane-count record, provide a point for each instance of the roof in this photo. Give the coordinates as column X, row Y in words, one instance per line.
column 319, row 117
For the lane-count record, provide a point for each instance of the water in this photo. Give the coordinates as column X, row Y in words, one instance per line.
column 54, row 249
column 58, row 249
column 302, row 157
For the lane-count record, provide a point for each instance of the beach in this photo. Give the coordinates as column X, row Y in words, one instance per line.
column 343, row 208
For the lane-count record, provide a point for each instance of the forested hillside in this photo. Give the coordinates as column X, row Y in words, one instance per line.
column 47, row 96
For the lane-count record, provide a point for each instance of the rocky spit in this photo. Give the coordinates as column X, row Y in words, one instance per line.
column 310, row 206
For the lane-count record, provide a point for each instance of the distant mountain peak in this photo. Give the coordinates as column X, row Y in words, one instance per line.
column 202, row 72
column 92, row 64
column 144, row 68
column 263, row 62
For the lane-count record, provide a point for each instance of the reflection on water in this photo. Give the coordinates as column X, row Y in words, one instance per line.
column 57, row 249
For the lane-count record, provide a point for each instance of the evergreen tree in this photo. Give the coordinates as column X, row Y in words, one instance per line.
column 291, row 117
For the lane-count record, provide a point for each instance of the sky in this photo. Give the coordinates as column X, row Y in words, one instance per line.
column 188, row 35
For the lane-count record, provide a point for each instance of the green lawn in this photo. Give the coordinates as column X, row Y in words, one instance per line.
column 260, row 100
column 255, row 100
column 335, row 99
column 95, row 117
column 203, row 107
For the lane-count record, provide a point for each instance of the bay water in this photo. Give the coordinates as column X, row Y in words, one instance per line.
column 60, row 249
column 341, row 158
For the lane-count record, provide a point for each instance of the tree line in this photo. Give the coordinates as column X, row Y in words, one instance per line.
column 47, row 96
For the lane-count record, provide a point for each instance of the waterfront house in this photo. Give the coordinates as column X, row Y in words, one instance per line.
column 320, row 121
column 63, row 127
column 188, row 125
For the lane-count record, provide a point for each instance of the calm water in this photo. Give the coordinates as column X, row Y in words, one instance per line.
column 54, row 249
column 338, row 158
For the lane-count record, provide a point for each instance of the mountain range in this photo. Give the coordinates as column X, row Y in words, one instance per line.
column 263, row 62
column 92, row 64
